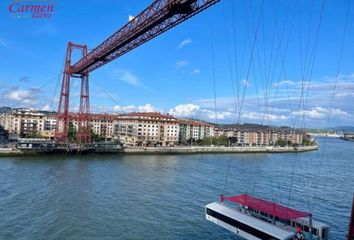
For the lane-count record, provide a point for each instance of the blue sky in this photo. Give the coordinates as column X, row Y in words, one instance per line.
column 173, row 72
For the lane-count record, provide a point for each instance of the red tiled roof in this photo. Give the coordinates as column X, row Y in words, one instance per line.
column 149, row 114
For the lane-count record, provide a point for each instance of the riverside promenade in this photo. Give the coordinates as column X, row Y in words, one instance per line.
column 216, row 149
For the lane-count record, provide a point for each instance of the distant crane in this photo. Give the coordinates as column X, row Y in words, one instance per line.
column 157, row 18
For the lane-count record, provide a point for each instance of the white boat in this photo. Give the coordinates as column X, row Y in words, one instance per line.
column 243, row 224
column 253, row 219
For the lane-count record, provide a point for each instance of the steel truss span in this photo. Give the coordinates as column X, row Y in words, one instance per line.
column 157, row 18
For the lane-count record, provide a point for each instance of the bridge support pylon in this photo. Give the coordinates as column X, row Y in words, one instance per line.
column 83, row 118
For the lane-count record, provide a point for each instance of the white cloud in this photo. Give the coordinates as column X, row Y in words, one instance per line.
column 46, row 107
column 284, row 105
column 220, row 115
column 185, row 42
column 343, row 83
column 21, row 95
column 127, row 77
column 280, row 110
column 17, row 95
column 262, row 116
column 147, row 108
column 196, row 71
column 321, row 113
column 185, row 110
column 129, row 108
column 192, row 110
column 225, row 102
column 330, row 86
column 132, row 108
column 181, row 63
column 345, row 94
column 100, row 108
column 286, row 82
column 223, row 116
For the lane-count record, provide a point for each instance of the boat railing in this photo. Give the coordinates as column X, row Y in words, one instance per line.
column 284, row 224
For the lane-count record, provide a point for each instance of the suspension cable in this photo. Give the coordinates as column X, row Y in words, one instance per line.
column 303, row 101
column 339, row 64
column 250, row 61
column 245, row 85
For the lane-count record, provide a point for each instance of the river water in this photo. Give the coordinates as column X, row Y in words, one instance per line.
column 162, row 196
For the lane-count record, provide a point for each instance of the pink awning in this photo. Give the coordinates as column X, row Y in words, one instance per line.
column 266, row 207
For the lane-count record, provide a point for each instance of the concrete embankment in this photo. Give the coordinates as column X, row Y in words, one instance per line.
column 188, row 150
column 10, row 152
column 178, row 150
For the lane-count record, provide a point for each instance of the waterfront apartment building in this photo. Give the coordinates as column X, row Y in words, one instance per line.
column 6, row 120
column 147, row 129
column 131, row 128
column 253, row 134
column 102, row 125
column 195, row 130
column 24, row 122
column 49, row 126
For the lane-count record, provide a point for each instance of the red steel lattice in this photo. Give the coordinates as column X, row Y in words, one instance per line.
column 83, row 120
column 157, row 18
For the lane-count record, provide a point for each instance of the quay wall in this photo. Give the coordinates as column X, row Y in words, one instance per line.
column 215, row 149
column 179, row 150
column 10, row 152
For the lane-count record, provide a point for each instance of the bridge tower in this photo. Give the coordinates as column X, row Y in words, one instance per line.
column 64, row 116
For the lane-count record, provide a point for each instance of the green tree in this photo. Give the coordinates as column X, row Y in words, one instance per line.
column 307, row 142
column 280, row 142
column 4, row 134
column 33, row 135
column 207, row 141
column 72, row 133
column 183, row 142
column 221, row 140
column 95, row 137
